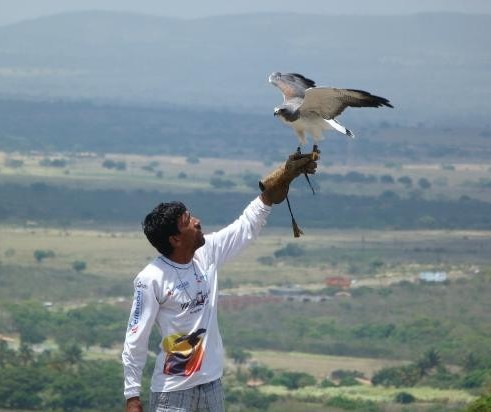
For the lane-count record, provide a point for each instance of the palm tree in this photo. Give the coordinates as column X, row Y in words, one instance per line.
column 26, row 354
column 71, row 353
column 430, row 360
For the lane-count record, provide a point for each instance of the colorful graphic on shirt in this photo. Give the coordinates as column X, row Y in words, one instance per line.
column 184, row 353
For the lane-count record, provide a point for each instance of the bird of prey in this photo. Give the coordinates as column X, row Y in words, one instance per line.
column 310, row 109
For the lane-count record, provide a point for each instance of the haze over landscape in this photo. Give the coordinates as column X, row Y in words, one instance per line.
column 421, row 62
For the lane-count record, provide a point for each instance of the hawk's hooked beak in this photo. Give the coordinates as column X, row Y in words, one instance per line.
column 276, row 112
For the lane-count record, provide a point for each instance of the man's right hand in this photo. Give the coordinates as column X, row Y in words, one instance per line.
column 134, row 405
column 274, row 187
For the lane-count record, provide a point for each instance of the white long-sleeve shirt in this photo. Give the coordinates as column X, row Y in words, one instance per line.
column 182, row 301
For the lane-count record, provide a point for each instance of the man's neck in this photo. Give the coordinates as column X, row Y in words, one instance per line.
column 181, row 257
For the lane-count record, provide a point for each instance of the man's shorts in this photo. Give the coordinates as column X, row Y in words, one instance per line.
column 207, row 397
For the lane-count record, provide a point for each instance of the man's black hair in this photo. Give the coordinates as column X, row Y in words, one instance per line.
column 161, row 223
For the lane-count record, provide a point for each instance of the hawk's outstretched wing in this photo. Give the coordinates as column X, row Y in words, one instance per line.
column 330, row 102
column 292, row 85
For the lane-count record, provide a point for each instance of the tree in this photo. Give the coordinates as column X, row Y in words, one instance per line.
column 406, row 181
column 424, row 183
column 239, row 356
column 21, row 386
column 30, row 320
column 397, row 376
column 71, row 353
column 7, row 355
column 471, row 361
column 293, row 380
column 260, row 372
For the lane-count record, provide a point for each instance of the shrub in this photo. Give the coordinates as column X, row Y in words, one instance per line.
column 79, row 266
column 193, row 160
column 404, row 397
column 40, row 255
column 481, row 404
column 387, row 179
column 14, row 163
column 266, row 260
column 290, row 250
column 219, row 183
column 342, row 402
column 446, row 166
column 111, row 164
column 53, row 163
column 343, row 373
column 474, row 379
column 252, row 399
column 327, row 383
column 349, row 381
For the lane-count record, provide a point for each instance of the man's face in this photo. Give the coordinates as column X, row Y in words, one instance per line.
column 190, row 234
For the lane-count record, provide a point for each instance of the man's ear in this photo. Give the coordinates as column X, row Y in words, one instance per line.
column 174, row 240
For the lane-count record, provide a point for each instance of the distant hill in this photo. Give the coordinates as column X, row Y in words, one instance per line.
column 433, row 67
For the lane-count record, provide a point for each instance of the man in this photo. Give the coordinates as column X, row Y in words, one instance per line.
column 178, row 292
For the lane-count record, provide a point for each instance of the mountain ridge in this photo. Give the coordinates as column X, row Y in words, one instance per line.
column 417, row 61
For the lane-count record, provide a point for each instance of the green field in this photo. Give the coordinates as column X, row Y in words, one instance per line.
column 382, row 395
column 320, row 366
column 166, row 173
column 370, row 257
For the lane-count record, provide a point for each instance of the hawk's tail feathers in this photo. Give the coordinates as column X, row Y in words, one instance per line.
column 340, row 128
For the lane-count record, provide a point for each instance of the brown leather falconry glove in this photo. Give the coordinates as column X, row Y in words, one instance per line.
column 275, row 185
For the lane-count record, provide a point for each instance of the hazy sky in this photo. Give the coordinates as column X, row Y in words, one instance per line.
column 12, row 11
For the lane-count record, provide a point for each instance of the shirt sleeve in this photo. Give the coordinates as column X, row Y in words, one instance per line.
column 142, row 317
column 229, row 241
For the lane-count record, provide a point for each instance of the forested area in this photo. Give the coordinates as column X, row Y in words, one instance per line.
column 61, row 206
column 63, row 377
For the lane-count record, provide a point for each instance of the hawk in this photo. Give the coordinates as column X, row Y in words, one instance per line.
column 310, row 109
